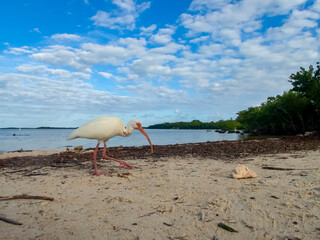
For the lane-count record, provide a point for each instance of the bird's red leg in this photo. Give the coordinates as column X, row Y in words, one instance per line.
column 95, row 172
column 113, row 159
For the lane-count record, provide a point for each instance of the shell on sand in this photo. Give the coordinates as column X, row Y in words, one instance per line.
column 242, row 171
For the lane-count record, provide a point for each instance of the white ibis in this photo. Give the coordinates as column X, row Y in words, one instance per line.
column 104, row 128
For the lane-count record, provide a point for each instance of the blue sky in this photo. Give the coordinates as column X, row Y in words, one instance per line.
column 65, row 62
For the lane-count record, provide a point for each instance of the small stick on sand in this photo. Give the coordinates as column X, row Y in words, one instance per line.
column 7, row 220
column 25, row 196
column 167, row 224
column 147, row 214
column 225, row 227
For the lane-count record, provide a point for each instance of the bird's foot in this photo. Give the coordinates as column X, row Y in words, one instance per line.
column 95, row 172
column 123, row 163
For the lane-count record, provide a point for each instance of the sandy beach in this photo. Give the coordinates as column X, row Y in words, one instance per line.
column 166, row 198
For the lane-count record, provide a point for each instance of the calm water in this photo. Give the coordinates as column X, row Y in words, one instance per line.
column 47, row 139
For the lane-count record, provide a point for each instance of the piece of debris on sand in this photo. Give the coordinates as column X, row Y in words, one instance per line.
column 242, row 171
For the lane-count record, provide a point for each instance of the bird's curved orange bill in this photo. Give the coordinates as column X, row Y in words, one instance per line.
column 145, row 134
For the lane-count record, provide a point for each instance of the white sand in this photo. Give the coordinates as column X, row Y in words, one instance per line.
column 28, row 153
column 166, row 200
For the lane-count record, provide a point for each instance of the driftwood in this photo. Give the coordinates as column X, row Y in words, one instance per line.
column 36, row 174
column 7, row 220
column 15, row 171
column 62, row 165
column 25, row 196
column 287, row 169
column 25, row 170
column 29, row 172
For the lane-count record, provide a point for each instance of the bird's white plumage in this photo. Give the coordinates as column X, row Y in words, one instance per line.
column 101, row 128
column 104, row 128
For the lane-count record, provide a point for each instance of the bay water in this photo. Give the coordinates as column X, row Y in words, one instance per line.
column 55, row 139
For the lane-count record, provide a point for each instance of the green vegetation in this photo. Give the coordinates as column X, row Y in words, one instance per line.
column 196, row 124
column 295, row 111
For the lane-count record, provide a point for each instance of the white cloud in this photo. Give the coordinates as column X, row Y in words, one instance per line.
column 143, row 6
column 104, row 19
column 149, row 67
column 122, row 18
column 295, row 25
column 199, row 39
column 155, row 63
column 155, row 94
column 170, row 48
column 161, row 39
column 26, row 68
column 60, row 55
column 272, row 7
column 231, row 36
column 127, row 5
column 21, row 50
column 66, row 36
column 90, row 54
column 236, row 33
column 200, row 5
column 106, row 75
column 147, row 31
column 45, row 71
column 112, row 54
column 243, row 15
column 53, row 97
column 163, row 36
column 35, row 30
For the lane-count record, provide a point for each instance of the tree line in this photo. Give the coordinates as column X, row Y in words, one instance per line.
column 196, row 124
column 295, row 111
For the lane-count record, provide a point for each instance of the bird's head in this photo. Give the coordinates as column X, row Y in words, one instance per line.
column 135, row 124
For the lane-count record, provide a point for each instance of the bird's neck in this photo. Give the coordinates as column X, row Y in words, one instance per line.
column 127, row 131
